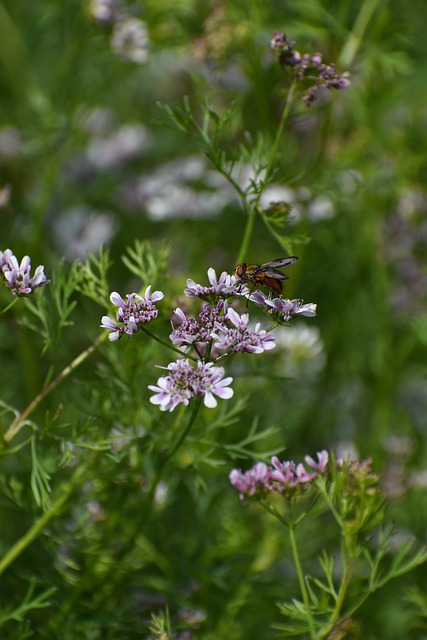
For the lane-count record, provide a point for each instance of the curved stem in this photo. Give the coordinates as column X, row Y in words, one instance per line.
column 279, row 134
column 169, row 346
column 345, row 581
column 171, row 453
column 247, row 235
column 354, row 39
column 20, row 419
column 251, row 209
column 301, row 580
column 9, row 306
column 21, row 544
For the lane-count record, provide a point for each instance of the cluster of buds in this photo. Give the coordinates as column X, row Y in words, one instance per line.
column 215, row 333
column 17, row 275
column 308, row 67
column 354, row 480
column 286, row 477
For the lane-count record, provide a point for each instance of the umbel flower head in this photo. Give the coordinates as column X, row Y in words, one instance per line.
column 308, row 67
column 282, row 310
column 238, row 337
column 133, row 313
column 217, row 331
column 223, row 287
column 286, row 477
column 17, row 276
column 186, row 381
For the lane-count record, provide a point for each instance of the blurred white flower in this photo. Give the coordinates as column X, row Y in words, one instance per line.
column 178, row 201
column 130, row 40
column 97, row 121
column 126, row 143
column 302, row 348
column 10, row 143
column 349, row 181
column 81, row 229
column 102, row 10
column 346, row 449
column 277, row 193
column 168, row 191
column 411, row 201
column 321, row 208
column 5, row 193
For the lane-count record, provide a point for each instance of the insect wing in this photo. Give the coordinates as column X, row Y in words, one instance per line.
column 271, row 271
column 274, row 273
column 281, row 262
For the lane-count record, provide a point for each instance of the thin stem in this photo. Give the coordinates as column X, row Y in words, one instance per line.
column 21, row 544
column 9, row 306
column 247, row 235
column 279, row 134
column 171, row 453
column 251, row 209
column 343, row 588
column 20, row 419
column 354, row 40
column 301, row 580
column 283, row 243
column 168, row 346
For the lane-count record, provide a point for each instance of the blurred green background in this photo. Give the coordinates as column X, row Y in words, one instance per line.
column 85, row 162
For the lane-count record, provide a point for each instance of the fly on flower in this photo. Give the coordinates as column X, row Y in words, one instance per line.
column 265, row 275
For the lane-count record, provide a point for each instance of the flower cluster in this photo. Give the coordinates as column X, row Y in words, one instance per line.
column 282, row 477
column 228, row 332
column 131, row 314
column 238, row 337
column 193, row 331
column 17, row 276
column 225, row 286
column 308, row 67
column 216, row 332
column 282, row 310
column 186, row 381
column 129, row 37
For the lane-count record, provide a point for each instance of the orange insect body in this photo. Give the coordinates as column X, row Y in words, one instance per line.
column 265, row 275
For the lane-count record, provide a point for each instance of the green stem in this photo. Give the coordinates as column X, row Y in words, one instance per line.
column 354, row 40
column 247, row 236
column 301, row 580
column 20, row 546
column 252, row 208
column 20, row 419
column 171, row 453
column 184, row 354
column 9, row 306
column 275, row 148
column 345, row 581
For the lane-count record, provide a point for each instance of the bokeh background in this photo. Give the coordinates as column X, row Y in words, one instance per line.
column 87, row 161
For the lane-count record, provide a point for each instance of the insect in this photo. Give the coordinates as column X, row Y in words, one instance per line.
column 266, row 275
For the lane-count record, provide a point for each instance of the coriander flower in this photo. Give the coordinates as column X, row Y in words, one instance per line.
column 285, row 477
column 253, row 481
column 322, row 461
column 186, row 381
column 18, row 275
column 239, row 337
column 192, row 330
column 223, row 287
column 133, row 313
column 283, row 309
column 130, row 39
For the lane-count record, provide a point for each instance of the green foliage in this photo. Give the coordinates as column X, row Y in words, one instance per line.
column 125, row 166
